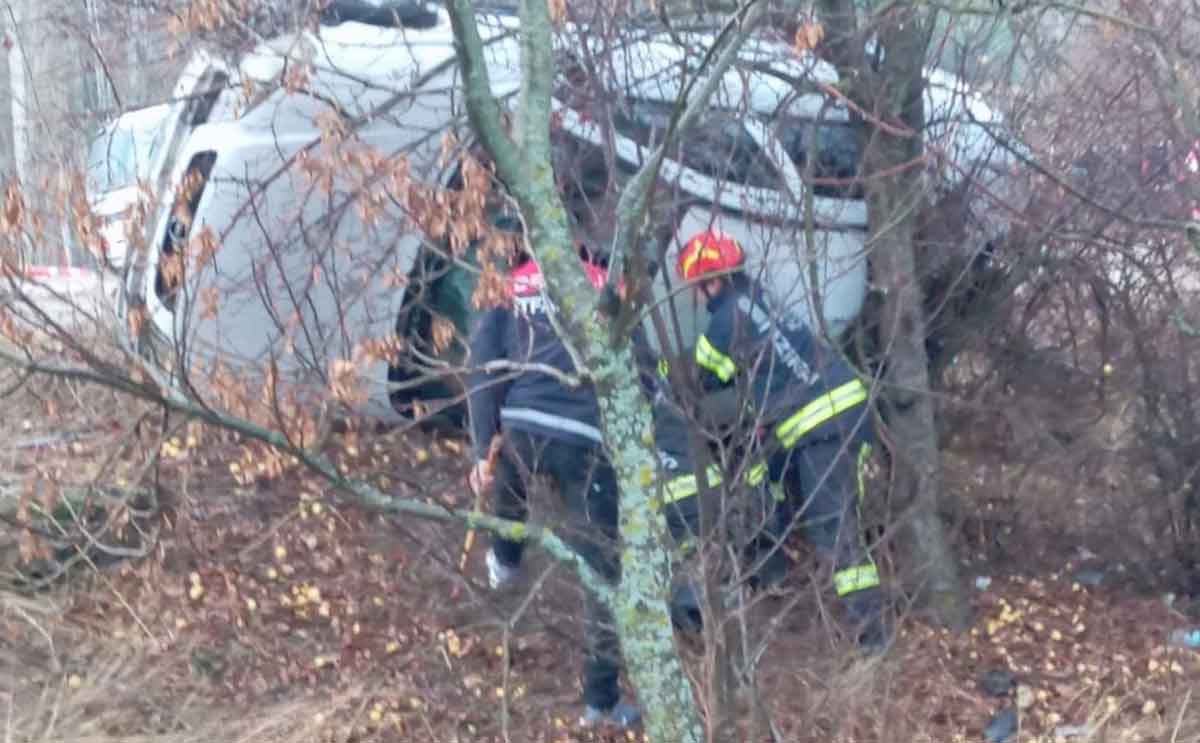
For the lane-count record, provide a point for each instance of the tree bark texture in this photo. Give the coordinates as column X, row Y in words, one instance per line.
column 639, row 603
column 889, row 92
column 893, row 202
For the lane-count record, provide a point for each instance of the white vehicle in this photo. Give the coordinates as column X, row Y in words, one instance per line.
column 120, row 158
column 127, row 160
column 262, row 255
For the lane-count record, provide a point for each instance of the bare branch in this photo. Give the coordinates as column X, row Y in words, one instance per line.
column 364, row 493
column 483, row 109
column 635, row 198
column 990, row 8
column 502, row 365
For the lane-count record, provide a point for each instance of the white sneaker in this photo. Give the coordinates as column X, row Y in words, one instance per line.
column 499, row 574
column 622, row 715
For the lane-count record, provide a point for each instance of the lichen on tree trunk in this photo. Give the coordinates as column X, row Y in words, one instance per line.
column 639, row 602
column 639, row 605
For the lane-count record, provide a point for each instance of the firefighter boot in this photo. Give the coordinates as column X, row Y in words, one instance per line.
column 868, row 619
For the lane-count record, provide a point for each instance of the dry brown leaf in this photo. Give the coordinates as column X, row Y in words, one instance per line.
column 809, row 36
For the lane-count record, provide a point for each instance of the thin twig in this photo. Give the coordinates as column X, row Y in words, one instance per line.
column 120, row 598
column 1179, row 720
column 500, row 365
column 506, row 643
column 268, row 534
column 44, row 633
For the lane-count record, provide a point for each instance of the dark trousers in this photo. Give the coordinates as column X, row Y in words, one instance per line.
column 683, row 515
column 822, row 482
column 584, row 479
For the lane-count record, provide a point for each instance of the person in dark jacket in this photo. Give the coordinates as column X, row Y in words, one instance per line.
column 812, row 406
column 547, row 427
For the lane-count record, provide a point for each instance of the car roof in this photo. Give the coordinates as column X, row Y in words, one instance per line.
column 647, row 66
column 361, row 67
column 649, row 69
column 138, row 120
column 376, row 57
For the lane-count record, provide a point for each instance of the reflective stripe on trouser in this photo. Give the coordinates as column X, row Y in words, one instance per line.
column 823, row 488
column 857, row 578
column 681, row 506
column 685, row 486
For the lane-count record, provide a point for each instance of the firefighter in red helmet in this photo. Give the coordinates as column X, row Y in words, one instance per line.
column 811, row 406
column 549, row 428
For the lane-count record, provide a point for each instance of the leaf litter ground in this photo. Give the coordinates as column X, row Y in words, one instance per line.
column 273, row 593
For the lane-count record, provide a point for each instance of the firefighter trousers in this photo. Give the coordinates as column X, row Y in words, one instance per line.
column 821, row 479
column 584, row 479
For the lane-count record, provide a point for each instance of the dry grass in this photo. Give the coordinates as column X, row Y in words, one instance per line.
column 57, row 685
column 63, row 680
column 114, row 658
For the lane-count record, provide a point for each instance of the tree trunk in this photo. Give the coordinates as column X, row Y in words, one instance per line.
column 18, row 89
column 639, row 603
column 640, row 610
column 893, row 202
column 909, row 406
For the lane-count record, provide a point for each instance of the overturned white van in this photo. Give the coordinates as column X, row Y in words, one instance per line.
column 265, row 257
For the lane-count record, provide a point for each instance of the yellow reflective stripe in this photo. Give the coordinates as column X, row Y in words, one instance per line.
column 825, row 407
column 857, row 578
column 687, row 485
column 778, row 494
column 680, row 488
column 685, row 548
column 664, row 368
column 708, row 357
column 714, row 476
column 757, row 474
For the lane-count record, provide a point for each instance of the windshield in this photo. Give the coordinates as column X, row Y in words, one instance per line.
column 717, row 146
column 122, row 154
column 835, row 169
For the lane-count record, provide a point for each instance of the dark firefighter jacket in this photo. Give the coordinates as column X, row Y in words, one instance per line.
column 528, row 400
column 795, row 382
column 678, row 467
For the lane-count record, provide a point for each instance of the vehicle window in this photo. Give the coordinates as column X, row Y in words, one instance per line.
column 717, row 146
column 179, row 225
column 208, row 93
column 839, row 155
column 111, row 162
column 388, row 13
column 118, row 157
column 583, row 181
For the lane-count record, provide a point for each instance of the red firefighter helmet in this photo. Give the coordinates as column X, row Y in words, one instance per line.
column 526, row 279
column 709, row 252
